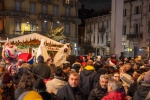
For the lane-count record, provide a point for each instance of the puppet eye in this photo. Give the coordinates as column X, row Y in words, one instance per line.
column 65, row 50
column 15, row 50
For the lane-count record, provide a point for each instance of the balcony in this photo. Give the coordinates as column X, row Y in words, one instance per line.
column 45, row 1
column 89, row 31
column 108, row 43
column 69, row 19
column 101, row 30
column 69, row 3
column 45, row 16
column 14, row 13
column 29, row 32
column 135, row 37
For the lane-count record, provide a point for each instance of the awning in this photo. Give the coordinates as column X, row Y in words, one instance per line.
column 34, row 36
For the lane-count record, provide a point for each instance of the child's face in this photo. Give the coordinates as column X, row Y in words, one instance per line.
column 9, row 84
column 13, row 72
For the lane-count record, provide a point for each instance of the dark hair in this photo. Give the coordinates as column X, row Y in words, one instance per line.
column 40, row 59
column 138, row 71
column 66, row 65
column 58, row 71
column 49, row 59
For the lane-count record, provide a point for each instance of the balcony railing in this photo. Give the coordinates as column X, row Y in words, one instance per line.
column 46, row 1
column 69, row 18
column 14, row 13
column 29, row 32
column 89, row 31
column 45, row 16
column 133, row 37
column 101, row 30
column 69, row 3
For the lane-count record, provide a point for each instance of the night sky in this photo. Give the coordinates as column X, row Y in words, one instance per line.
column 96, row 4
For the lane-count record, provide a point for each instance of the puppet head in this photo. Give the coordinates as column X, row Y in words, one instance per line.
column 9, row 52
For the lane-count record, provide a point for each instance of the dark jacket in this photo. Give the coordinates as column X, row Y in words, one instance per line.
column 132, row 89
column 130, row 71
column 87, row 80
column 48, row 96
column 69, row 93
column 42, row 70
column 141, row 92
column 97, row 93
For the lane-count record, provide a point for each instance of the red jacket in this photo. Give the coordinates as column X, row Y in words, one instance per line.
column 115, row 95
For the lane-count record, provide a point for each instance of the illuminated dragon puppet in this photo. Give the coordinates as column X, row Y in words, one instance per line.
column 9, row 53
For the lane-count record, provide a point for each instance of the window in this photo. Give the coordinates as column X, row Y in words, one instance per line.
column 67, row 11
column 55, row 25
column 124, row 30
column 18, row 6
column 17, row 26
column 102, row 38
column 98, row 24
column 107, row 23
column 32, row 8
column 67, row 29
column 44, row 27
column 124, row 12
column 137, row 9
column 94, row 38
column 55, row 10
column 98, row 39
column 107, row 37
column 136, row 29
column 148, row 27
column 33, row 25
column 44, row 9
column 149, row 7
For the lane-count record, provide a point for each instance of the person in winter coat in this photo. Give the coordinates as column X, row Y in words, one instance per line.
column 76, row 65
column 41, row 69
column 143, row 89
column 100, row 89
column 72, row 90
column 39, row 86
column 113, row 93
column 87, row 78
column 55, row 84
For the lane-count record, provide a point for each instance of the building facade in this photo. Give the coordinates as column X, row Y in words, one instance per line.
column 136, row 26
column 97, row 30
column 40, row 16
column 136, row 29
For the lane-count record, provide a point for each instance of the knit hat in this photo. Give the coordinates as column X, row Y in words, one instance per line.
column 39, row 85
column 147, row 77
column 30, row 95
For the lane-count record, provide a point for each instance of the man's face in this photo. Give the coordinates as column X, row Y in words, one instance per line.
column 103, row 82
column 73, row 80
column 135, row 75
column 116, row 76
column 127, row 67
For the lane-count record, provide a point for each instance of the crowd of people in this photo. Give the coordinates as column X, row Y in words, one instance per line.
column 84, row 79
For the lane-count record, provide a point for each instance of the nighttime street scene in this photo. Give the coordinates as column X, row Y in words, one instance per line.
column 74, row 49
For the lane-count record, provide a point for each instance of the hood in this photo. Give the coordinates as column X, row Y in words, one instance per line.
column 87, row 72
column 143, row 90
column 89, row 67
